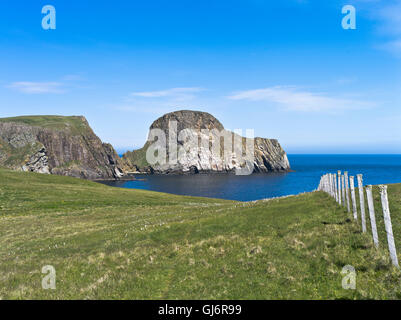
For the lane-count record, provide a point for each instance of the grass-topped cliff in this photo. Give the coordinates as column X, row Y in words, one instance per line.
column 110, row 243
column 75, row 124
column 58, row 145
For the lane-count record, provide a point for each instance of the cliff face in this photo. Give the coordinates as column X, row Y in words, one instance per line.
column 268, row 156
column 68, row 146
column 56, row 145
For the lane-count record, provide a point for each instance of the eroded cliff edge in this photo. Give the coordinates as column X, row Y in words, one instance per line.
column 57, row 145
column 269, row 156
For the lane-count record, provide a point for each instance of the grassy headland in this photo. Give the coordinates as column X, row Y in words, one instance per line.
column 74, row 123
column 109, row 243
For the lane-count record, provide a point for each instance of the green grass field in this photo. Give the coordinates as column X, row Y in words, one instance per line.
column 73, row 123
column 109, row 243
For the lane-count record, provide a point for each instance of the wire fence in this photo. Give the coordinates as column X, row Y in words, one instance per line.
column 342, row 188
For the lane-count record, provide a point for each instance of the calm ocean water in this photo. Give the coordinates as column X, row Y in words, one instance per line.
column 376, row 169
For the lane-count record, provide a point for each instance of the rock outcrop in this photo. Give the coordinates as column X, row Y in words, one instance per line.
column 68, row 146
column 57, row 145
column 38, row 162
column 195, row 126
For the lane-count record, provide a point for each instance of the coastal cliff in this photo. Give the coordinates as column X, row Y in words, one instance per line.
column 57, row 145
column 68, row 146
column 268, row 155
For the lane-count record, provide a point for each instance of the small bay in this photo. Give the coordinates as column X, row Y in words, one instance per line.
column 377, row 169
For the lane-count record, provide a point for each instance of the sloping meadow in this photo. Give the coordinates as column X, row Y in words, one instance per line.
column 110, row 243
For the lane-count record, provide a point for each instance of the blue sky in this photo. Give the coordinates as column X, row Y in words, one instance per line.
column 286, row 69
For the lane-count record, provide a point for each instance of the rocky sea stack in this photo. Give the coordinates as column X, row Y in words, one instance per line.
column 68, row 146
column 57, row 145
column 268, row 155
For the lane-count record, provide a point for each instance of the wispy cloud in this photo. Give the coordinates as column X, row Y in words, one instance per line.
column 388, row 16
column 393, row 47
column 152, row 109
column 37, row 87
column 177, row 93
column 161, row 101
column 292, row 98
column 61, row 85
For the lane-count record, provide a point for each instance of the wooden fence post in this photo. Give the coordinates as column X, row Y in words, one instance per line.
column 329, row 181
column 353, row 198
column 343, row 189
column 389, row 227
column 362, row 201
column 339, row 187
column 335, row 187
column 322, row 182
column 327, row 184
column 347, row 190
column 369, row 196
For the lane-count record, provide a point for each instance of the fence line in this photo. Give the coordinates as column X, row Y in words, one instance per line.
column 339, row 186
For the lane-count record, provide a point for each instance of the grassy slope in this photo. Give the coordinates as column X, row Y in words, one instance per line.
column 137, row 157
column 111, row 243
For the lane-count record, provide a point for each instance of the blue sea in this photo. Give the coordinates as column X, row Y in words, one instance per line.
column 376, row 169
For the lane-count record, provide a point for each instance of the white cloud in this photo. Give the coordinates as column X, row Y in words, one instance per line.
column 178, row 93
column 152, row 108
column 37, row 87
column 161, row 101
column 393, row 47
column 388, row 16
column 291, row 98
column 145, row 108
